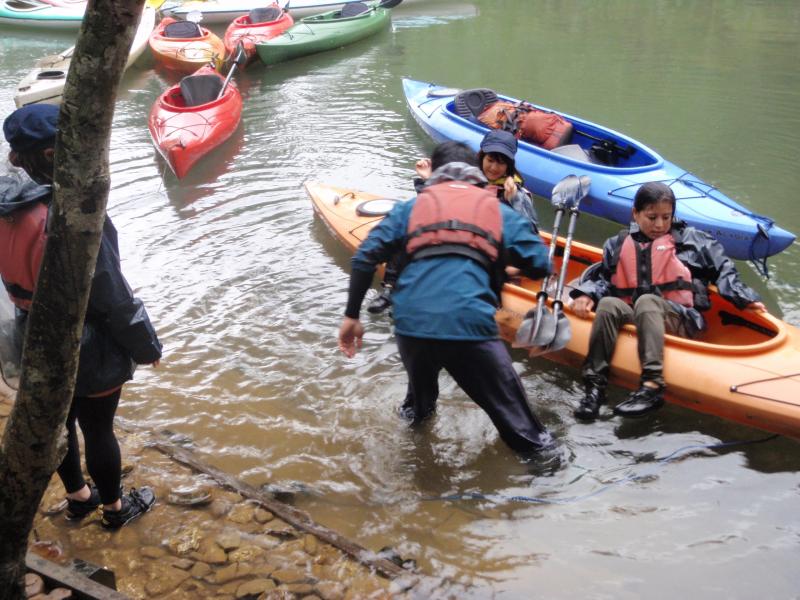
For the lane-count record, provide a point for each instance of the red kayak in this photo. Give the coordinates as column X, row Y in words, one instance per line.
column 189, row 119
column 260, row 25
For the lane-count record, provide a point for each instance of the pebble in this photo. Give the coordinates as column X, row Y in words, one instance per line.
column 254, row 587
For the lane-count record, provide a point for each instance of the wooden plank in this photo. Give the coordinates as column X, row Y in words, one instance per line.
column 57, row 576
column 291, row 515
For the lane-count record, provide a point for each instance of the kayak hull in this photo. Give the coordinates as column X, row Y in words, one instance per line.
column 225, row 11
column 747, row 372
column 45, row 82
column 186, row 55
column 321, row 33
column 248, row 34
column 183, row 135
column 41, row 16
column 745, row 235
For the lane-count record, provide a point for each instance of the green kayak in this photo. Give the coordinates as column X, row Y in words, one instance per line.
column 323, row 32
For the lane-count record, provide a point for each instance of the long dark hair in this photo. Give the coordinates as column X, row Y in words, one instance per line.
column 651, row 193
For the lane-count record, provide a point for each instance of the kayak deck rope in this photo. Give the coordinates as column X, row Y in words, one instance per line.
column 736, row 389
column 680, row 453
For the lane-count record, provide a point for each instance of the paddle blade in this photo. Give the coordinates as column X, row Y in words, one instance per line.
column 565, row 191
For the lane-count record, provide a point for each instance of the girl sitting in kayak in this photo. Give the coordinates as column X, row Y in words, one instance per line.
column 654, row 275
column 496, row 159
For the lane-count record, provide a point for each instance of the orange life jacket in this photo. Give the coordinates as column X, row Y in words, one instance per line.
column 455, row 218
column 22, row 240
column 652, row 267
column 541, row 127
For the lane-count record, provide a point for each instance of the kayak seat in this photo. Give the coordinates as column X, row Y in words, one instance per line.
column 471, row 103
column 575, row 152
column 183, row 30
column 200, row 89
column 51, row 75
column 265, row 15
column 353, row 9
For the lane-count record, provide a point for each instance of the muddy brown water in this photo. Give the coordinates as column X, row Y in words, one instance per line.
column 247, row 289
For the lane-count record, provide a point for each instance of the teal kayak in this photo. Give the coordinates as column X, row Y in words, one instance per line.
column 325, row 32
column 31, row 13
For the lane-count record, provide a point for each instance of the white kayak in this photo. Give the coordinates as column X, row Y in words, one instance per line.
column 225, row 11
column 45, row 82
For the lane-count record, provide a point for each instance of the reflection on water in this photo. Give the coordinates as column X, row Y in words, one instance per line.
column 247, row 289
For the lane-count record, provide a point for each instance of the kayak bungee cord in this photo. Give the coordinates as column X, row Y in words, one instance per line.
column 660, row 462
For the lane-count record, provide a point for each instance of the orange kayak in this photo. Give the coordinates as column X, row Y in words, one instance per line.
column 189, row 120
column 745, row 368
column 259, row 25
column 184, row 46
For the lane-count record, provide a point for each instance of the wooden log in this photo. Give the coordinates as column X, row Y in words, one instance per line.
column 58, row 576
column 291, row 515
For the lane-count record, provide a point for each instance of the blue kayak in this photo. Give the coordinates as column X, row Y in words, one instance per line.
column 745, row 235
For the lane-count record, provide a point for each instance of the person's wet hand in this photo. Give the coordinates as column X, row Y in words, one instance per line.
column 423, row 167
column 757, row 307
column 155, row 363
column 351, row 334
column 582, row 306
column 509, row 187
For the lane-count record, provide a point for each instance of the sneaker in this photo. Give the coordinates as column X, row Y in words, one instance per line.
column 381, row 303
column 642, row 401
column 590, row 404
column 78, row 509
column 134, row 505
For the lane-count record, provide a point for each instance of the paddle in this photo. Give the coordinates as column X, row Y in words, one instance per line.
column 240, row 58
column 388, row 3
column 563, row 331
column 538, row 324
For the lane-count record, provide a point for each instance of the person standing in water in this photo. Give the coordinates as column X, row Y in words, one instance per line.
column 448, row 291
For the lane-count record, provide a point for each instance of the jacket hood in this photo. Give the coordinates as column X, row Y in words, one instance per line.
column 457, row 171
column 16, row 194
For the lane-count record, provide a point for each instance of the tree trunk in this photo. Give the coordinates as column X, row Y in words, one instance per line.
column 34, row 439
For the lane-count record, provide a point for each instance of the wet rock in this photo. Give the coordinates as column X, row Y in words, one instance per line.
column 312, row 597
column 299, row 588
column 247, row 553
column 227, row 573
column 153, row 552
column 189, row 495
column 186, row 541
column 254, row 587
column 330, row 590
column 47, row 549
column 262, row 515
column 33, row 584
column 310, row 543
column 5, row 409
column 219, row 507
column 163, row 579
column 242, row 513
column 289, row 575
column 200, row 570
column 229, row 540
column 183, row 563
column 210, row 552
column 280, row 529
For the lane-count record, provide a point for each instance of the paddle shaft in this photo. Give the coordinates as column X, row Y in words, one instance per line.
column 573, row 219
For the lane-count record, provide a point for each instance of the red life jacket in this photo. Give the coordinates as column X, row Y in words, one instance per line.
column 652, row 267
column 455, row 218
column 528, row 123
column 22, row 240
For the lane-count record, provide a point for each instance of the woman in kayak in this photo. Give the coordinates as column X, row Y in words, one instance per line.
column 496, row 159
column 656, row 276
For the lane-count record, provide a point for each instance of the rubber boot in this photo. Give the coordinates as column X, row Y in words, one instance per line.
column 590, row 404
column 641, row 402
column 382, row 302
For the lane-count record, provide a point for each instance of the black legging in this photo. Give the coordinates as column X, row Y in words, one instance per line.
column 95, row 416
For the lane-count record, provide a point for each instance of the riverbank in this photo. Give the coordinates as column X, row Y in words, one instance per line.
column 203, row 539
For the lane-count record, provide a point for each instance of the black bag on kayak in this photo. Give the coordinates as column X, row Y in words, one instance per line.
column 353, row 9
column 265, row 15
column 183, row 30
column 470, row 103
column 200, row 89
